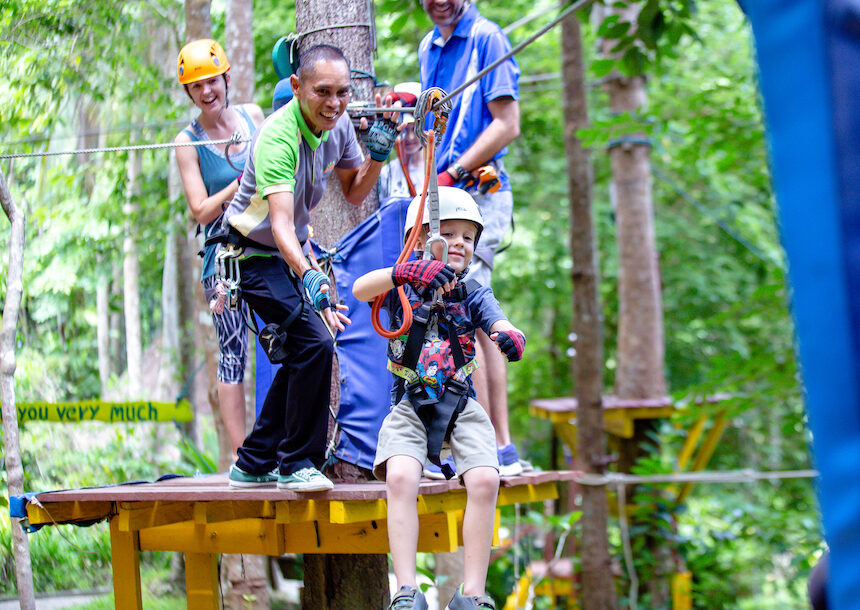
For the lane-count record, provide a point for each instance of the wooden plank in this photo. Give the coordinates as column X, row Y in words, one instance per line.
column 201, row 581
column 249, row 536
column 521, row 494
column 125, row 562
column 134, row 516
column 68, row 512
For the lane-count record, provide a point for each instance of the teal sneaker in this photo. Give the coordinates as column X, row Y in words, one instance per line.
column 240, row 478
column 306, row 479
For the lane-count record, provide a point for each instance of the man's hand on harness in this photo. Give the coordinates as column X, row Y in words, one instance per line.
column 511, row 342
column 432, row 274
column 317, row 285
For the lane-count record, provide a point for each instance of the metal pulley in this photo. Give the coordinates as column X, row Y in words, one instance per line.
column 430, row 100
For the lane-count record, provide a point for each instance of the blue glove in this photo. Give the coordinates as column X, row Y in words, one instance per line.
column 313, row 281
column 380, row 138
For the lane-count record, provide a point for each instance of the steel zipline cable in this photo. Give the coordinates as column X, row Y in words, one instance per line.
column 89, row 151
column 571, row 8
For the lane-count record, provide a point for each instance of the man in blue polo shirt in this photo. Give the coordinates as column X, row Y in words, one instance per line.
column 484, row 119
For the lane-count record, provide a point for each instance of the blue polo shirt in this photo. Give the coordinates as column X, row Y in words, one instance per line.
column 475, row 43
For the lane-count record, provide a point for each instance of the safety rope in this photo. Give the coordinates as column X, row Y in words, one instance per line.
column 89, row 151
column 429, row 168
column 614, row 479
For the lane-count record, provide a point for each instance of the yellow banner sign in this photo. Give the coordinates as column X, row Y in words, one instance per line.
column 97, row 410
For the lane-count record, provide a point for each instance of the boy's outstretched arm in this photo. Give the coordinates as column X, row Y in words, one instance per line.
column 372, row 284
column 510, row 340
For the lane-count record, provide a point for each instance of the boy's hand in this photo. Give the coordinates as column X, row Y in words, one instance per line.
column 511, row 342
column 430, row 273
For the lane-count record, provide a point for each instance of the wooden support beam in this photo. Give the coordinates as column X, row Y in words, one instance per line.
column 690, row 442
column 125, row 561
column 201, row 581
column 705, row 452
column 51, row 513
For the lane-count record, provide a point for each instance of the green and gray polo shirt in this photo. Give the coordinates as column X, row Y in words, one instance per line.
column 286, row 156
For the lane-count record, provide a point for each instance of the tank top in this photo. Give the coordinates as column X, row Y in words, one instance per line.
column 216, row 174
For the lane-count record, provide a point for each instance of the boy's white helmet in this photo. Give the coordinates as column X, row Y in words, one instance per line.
column 454, row 204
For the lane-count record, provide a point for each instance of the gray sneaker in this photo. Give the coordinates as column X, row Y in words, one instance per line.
column 306, row 479
column 472, row 602
column 408, row 598
column 241, row 479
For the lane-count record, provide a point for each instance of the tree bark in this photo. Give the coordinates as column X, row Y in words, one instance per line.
column 198, row 22
column 345, row 581
column 103, row 327
column 116, row 334
column 11, row 446
column 131, row 277
column 239, row 46
column 598, row 588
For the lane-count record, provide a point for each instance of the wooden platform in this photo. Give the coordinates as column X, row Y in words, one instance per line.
column 203, row 517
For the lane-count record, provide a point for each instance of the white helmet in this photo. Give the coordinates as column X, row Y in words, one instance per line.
column 454, row 204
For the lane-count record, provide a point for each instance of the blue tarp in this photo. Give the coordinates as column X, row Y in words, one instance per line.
column 364, row 381
column 809, row 59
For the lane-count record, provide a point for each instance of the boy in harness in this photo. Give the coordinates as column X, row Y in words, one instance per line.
column 432, row 397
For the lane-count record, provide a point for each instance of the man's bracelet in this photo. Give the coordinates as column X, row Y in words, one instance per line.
column 460, row 172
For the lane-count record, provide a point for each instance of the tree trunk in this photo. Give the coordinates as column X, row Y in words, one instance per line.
column 239, row 46
column 103, row 327
column 640, row 372
column 198, row 22
column 598, row 588
column 11, row 447
column 131, row 277
column 342, row 581
column 116, row 337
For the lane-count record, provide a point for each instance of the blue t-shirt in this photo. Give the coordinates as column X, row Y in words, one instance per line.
column 217, row 174
column 435, row 366
column 475, row 43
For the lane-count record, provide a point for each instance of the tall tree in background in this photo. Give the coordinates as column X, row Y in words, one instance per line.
column 239, row 46
column 598, row 588
column 11, row 447
column 640, row 370
column 342, row 581
column 130, row 278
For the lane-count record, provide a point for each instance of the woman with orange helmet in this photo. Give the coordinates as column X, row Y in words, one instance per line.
column 210, row 182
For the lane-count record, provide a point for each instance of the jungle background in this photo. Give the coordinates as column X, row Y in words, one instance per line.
column 97, row 73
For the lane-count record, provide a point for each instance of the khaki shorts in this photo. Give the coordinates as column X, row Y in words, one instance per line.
column 473, row 441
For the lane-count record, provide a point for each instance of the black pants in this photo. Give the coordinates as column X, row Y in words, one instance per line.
column 290, row 432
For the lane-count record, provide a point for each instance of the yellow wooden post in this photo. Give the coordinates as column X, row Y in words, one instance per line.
column 705, row 452
column 125, row 561
column 201, row 581
column 682, row 598
column 690, row 443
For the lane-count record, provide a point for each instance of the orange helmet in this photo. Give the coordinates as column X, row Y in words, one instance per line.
column 201, row 59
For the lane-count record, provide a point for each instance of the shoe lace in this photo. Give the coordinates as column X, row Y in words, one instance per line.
column 484, row 602
column 307, row 473
column 404, row 599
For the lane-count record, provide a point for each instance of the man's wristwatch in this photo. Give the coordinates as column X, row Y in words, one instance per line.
column 458, row 171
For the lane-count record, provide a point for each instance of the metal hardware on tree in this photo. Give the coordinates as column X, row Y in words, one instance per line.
column 432, row 100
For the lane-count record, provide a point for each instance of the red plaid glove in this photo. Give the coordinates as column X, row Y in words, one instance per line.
column 430, row 273
column 512, row 343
